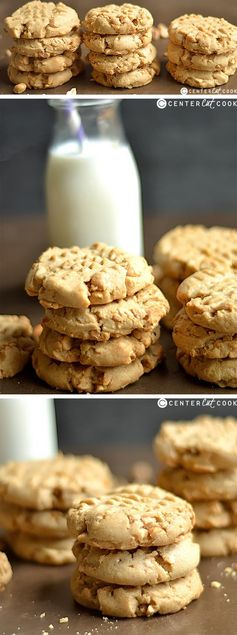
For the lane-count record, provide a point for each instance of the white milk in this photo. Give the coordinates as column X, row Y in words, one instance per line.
column 94, row 195
column 27, row 429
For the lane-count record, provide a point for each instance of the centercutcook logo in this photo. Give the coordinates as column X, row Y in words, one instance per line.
column 210, row 402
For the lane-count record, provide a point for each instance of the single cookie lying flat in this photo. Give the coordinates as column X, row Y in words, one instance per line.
column 54, row 64
column 53, row 483
column 46, row 47
column 181, row 56
column 198, row 341
column 210, row 299
column 39, row 81
column 206, row 444
column 217, row 542
column 73, row 376
column 41, row 19
column 49, row 523
column 220, row 485
column 42, row 550
column 116, row 352
column 222, row 372
column 5, row 571
column 132, row 516
column 113, row 19
column 167, row 597
column 133, row 79
column 142, row 311
column 80, row 277
column 188, row 248
column 139, row 567
column 202, row 34
column 117, row 44
column 200, row 78
column 112, row 64
column 16, row 344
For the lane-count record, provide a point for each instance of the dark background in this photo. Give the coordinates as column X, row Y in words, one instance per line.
column 187, row 156
column 86, row 425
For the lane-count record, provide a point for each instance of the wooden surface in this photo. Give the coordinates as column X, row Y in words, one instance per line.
column 162, row 12
column 22, row 240
column 36, row 589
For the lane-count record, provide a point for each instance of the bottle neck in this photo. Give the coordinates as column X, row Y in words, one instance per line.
column 93, row 121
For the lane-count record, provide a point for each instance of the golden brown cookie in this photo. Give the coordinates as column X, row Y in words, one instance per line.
column 74, row 277
column 132, row 516
column 117, row 44
column 205, row 444
column 54, row 64
column 112, row 64
column 41, row 20
column 181, row 56
column 222, row 372
column 43, row 550
column 46, row 47
column 16, row 344
column 114, row 19
column 53, row 483
column 133, row 79
column 215, row 514
column 198, row 341
column 75, row 377
column 5, row 571
column 202, row 34
column 47, row 524
column 200, row 78
column 169, row 287
column 217, row 542
column 188, row 248
column 220, row 485
column 210, row 299
column 138, row 601
column 116, row 352
column 138, row 567
column 142, row 311
column 40, row 81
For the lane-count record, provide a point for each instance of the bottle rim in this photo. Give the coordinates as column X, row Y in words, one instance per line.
column 81, row 102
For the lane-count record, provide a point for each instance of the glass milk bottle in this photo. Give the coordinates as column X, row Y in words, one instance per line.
column 92, row 182
column 27, row 429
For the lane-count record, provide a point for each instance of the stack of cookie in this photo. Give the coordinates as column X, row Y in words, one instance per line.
column 5, row 571
column 202, row 51
column 186, row 249
column 134, row 551
column 35, row 497
column 119, row 39
column 16, row 344
column 100, row 330
column 205, row 330
column 202, row 460
column 46, row 52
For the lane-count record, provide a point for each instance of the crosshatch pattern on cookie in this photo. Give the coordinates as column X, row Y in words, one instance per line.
column 79, row 277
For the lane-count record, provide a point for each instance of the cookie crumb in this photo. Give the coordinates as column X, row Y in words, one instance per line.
column 42, row 615
column 8, row 54
column 51, row 626
column 228, row 570
column 63, row 620
column 71, row 92
column 215, row 584
column 19, row 88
